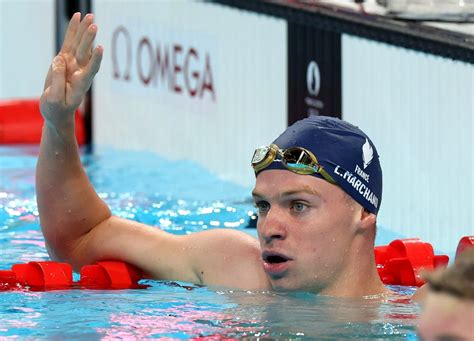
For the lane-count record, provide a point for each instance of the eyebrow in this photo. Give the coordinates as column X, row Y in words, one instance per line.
column 297, row 190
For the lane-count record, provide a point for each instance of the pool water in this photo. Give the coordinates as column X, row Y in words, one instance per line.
column 181, row 197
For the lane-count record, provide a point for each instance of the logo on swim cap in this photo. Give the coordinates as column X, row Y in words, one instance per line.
column 313, row 78
column 342, row 150
column 367, row 153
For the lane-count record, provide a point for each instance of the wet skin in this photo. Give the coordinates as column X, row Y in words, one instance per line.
column 308, row 231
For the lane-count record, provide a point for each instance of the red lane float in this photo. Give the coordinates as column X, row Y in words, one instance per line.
column 21, row 122
column 50, row 275
column 43, row 274
column 464, row 244
column 403, row 260
column 114, row 275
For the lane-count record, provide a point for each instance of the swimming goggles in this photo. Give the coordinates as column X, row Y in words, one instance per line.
column 296, row 159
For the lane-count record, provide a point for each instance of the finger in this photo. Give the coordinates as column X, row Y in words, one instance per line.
column 89, row 72
column 47, row 81
column 85, row 23
column 94, row 65
column 83, row 53
column 71, row 32
column 58, row 79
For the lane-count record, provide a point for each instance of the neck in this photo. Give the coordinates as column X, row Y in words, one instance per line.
column 358, row 275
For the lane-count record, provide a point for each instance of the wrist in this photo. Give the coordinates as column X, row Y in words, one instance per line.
column 63, row 129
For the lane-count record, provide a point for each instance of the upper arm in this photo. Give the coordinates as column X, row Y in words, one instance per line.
column 157, row 253
column 210, row 257
column 228, row 258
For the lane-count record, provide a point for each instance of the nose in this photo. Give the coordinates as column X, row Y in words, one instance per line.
column 271, row 226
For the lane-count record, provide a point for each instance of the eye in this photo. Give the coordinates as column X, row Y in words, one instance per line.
column 299, row 206
column 262, row 206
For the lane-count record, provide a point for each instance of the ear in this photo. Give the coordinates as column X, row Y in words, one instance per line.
column 367, row 220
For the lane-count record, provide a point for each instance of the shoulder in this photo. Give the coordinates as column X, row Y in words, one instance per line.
column 228, row 258
column 226, row 237
column 232, row 244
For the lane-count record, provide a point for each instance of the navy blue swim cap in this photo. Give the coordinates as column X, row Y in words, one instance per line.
column 344, row 151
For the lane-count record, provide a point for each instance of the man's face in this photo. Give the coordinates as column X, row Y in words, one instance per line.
column 446, row 317
column 306, row 227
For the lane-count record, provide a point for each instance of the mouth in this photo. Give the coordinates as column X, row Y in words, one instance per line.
column 273, row 258
column 275, row 264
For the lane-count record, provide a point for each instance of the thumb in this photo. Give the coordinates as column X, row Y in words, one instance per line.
column 57, row 89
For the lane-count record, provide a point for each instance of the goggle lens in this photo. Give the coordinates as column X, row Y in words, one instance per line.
column 299, row 161
column 295, row 159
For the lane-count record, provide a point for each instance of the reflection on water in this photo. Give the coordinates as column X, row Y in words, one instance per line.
column 169, row 311
column 270, row 315
column 317, row 317
column 182, row 198
column 182, row 322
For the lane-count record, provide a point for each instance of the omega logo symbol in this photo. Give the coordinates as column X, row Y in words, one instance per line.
column 184, row 70
column 313, row 78
column 125, row 72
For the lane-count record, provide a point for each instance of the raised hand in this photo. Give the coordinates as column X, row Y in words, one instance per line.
column 71, row 72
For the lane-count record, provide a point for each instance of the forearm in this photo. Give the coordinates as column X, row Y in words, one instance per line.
column 68, row 205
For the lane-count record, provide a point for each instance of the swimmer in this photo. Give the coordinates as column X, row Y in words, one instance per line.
column 448, row 307
column 318, row 191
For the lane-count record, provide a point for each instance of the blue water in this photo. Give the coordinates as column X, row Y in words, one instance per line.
column 183, row 198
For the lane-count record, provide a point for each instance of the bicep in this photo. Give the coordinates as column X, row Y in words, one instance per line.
column 159, row 254
column 217, row 257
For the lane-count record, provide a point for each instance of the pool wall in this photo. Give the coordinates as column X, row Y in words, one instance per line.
column 27, row 31
column 419, row 111
column 191, row 80
column 209, row 82
column 417, row 107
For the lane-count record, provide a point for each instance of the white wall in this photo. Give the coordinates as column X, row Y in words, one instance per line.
column 247, row 56
column 418, row 109
column 27, row 41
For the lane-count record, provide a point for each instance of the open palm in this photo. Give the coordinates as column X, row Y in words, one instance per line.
column 71, row 72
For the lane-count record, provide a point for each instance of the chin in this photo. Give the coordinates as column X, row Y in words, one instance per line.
column 284, row 284
column 287, row 285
